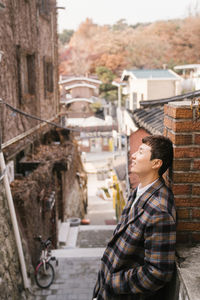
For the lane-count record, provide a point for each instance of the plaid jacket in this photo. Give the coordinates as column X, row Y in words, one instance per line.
column 139, row 258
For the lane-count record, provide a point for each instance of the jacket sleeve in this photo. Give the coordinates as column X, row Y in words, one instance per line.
column 159, row 244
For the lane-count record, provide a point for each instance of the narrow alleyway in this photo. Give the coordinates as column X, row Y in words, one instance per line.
column 79, row 259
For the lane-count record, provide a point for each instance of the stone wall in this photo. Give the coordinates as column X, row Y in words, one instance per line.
column 60, row 175
column 11, row 284
column 29, row 67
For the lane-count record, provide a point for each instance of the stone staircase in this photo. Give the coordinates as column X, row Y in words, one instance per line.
column 81, row 248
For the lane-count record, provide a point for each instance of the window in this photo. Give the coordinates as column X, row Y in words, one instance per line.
column 44, row 7
column 26, row 73
column 48, row 77
column 134, row 100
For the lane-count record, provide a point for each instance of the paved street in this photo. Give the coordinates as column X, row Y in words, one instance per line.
column 76, row 272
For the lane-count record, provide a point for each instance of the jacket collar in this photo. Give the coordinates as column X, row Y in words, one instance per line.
column 150, row 191
column 134, row 214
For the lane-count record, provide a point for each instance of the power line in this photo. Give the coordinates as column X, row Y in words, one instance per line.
column 37, row 118
column 16, row 110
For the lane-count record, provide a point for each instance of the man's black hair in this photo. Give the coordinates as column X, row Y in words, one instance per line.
column 161, row 148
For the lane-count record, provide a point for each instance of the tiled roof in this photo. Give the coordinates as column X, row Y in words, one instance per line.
column 147, row 74
column 151, row 119
column 151, row 115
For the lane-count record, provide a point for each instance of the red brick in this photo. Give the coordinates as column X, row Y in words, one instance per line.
column 196, row 190
column 182, row 189
column 183, row 213
column 186, row 177
column 187, row 202
column 196, row 164
column 181, row 165
column 168, row 122
column 185, row 126
column 179, row 112
column 165, row 131
column 196, row 213
column 195, row 237
column 182, row 238
column 180, row 139
column 166, row 107
column 187, row 152
column 197, row 139
column 188, row 226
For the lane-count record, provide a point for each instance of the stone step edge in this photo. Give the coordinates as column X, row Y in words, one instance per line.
column 96, row 227
column 78, row 253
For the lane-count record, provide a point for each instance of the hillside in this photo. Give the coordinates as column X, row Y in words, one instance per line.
column 124, row 46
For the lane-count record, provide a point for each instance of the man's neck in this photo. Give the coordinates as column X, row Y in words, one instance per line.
column 145, row 180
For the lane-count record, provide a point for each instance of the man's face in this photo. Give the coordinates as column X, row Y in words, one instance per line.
column 141, row 163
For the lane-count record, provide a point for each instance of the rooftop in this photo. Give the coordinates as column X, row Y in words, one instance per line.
column 150, row 118
column 151, row 115
column 150, row 74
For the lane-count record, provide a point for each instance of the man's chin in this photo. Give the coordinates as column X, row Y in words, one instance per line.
column 133, row 170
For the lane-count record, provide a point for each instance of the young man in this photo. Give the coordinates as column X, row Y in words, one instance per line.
column 139, row 258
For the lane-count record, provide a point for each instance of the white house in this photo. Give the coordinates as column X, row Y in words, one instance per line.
column 150, row 85
column 190, row 77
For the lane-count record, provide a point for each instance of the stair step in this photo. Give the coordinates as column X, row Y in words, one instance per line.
column 78, row 252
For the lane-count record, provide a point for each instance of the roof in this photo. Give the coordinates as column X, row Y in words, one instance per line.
column 184, row 67
column 150, row 118
column 151, row 115
column 89, row 122
column 150, row 74
column 72, row 100
column 67, row 80
column 69, row 87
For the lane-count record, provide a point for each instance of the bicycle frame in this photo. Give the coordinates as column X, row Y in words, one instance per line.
column 44, row 264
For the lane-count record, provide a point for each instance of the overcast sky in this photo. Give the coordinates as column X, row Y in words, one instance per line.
column 110, row 11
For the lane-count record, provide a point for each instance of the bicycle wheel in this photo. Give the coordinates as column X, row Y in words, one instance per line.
column 44, row 278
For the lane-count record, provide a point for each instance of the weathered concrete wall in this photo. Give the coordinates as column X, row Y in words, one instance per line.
column 74, row 188
column 74, row 201
column 10, row 280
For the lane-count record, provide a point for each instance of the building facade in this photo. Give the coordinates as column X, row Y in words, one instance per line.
column 145, row 85
column 46, row 175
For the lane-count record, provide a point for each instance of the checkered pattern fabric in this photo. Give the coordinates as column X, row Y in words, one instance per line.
column 139, row 258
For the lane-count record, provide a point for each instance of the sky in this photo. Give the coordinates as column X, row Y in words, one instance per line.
column 110, row 11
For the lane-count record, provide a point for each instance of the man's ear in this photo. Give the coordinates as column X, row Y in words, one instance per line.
column 157, row 163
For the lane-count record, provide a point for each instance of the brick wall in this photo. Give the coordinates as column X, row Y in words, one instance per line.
column 182, row 127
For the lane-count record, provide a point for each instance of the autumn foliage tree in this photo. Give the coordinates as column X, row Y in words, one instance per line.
column 126, row 46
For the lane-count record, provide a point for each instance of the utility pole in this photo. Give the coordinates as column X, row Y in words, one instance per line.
column 119, row 112
column 119, row 117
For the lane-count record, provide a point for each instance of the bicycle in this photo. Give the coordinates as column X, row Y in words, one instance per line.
column 44, row 271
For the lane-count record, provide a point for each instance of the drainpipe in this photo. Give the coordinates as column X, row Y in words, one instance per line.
column 13, row 216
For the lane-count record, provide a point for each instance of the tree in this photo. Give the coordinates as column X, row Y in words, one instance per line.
column 93, row 47
column 120, row 25
column 65, row 36
column 107, row 90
